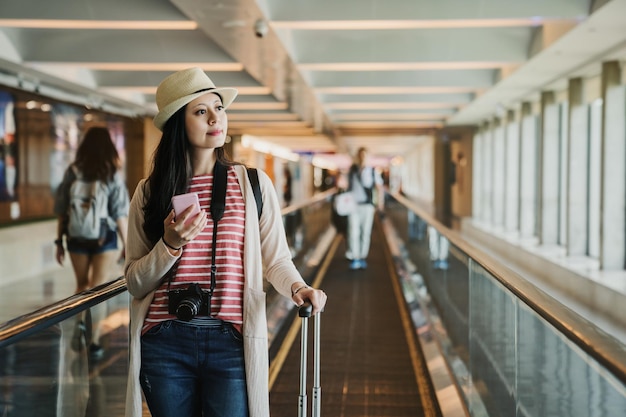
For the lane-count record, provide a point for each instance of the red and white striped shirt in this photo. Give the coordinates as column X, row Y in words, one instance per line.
column 195, row 262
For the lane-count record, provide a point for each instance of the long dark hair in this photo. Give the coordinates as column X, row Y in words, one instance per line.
column 97, row 157
column 171, row 172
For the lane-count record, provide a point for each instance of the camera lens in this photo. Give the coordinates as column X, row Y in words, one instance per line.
column 188, row 308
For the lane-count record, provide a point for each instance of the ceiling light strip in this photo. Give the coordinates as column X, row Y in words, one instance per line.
column 262, row 117
column 269, row 124
column 404, row 66
column 258, row 106
column 385, row 106
column 144, row 66
column 271, row 131
column 242, row 91
column 391, row 123
column 100, row 24
column 395, row 90
column 412, row 24
column 396, row 116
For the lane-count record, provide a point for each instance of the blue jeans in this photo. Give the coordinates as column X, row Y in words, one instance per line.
column 192, row 371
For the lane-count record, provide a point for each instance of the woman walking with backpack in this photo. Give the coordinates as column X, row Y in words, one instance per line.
column 92, row 208
column 209, row 360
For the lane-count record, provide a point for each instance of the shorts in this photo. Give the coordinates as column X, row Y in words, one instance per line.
column 77, row 246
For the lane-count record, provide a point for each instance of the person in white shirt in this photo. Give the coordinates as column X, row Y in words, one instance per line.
column 366, row 184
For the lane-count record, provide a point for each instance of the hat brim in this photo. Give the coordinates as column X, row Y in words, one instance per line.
column 228, row 96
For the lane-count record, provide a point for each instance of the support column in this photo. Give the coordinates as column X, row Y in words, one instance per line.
column 577, row 170
column 613, row 182
column 477, row 175
column 487, row 173
column 528, row 172
column 512, row 177
column 498, row 157
column 548, row 171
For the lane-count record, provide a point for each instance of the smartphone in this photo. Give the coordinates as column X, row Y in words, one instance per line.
column 182, row 201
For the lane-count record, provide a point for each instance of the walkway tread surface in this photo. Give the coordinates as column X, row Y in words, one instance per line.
column 366, row 365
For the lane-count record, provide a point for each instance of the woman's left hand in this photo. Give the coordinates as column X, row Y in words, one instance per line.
column 317, row 298
column 60, row 254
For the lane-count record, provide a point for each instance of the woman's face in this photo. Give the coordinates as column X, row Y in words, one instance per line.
column 206, row 122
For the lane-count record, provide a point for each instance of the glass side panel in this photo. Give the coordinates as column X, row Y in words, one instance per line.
column 556, row 378
column 506, row 359
column 492, row 343
column 55, row 373
column 521, row 365
column 305, row 227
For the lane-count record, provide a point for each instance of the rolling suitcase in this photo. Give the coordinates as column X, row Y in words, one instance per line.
column 305, row 312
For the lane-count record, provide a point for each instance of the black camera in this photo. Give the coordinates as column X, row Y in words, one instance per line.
column 188, row 303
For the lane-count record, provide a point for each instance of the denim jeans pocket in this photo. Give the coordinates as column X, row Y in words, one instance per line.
column 158, row 329
column 234, row 333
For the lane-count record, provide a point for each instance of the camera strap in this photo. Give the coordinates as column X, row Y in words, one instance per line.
column 218, row 206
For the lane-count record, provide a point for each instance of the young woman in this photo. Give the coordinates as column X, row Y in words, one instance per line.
column 96, row 159
column 213, row 361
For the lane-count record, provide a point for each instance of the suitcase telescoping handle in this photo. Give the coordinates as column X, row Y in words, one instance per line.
column 305, row 312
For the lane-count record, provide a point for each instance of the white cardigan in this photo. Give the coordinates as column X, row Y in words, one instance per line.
column 266, row 253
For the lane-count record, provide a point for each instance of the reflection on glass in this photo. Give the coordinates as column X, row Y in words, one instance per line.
column 507, row 360
column 50, row 373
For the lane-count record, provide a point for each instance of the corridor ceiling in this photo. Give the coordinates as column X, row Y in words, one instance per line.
column 315, row 75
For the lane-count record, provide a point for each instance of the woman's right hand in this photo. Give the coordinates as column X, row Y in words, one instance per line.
column 178, row 231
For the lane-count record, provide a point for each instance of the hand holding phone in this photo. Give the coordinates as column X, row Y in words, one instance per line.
column 182, row 202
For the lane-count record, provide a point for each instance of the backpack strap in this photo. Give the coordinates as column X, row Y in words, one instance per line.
column 253, row 176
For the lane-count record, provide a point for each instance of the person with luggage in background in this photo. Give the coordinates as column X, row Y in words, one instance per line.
column 198, row 332
column 92, row 207
column 366, row 185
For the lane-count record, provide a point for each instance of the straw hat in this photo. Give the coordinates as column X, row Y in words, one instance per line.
column 178, row 89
